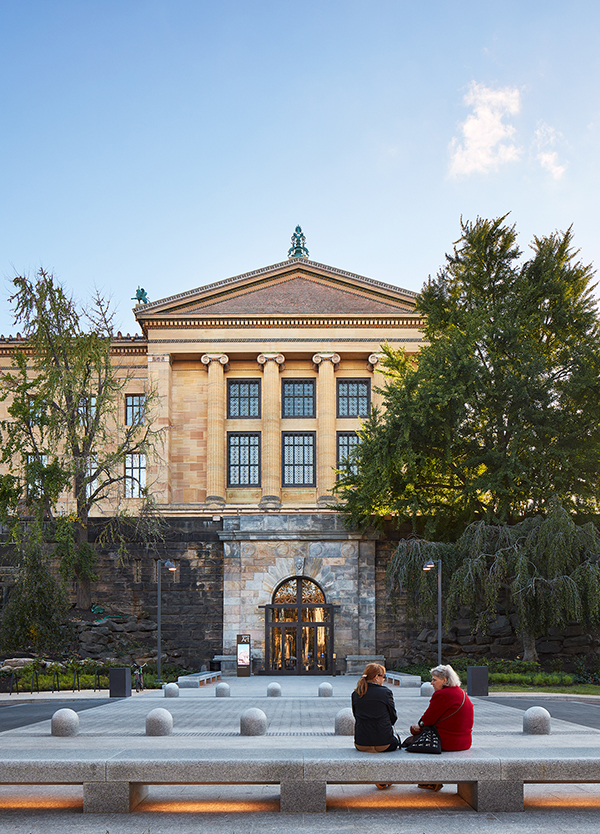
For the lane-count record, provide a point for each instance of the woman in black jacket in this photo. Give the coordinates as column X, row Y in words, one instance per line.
column 375, row 713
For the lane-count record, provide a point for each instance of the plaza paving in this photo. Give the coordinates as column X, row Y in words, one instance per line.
column 299, row 719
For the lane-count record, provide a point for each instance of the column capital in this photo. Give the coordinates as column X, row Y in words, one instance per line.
column 334, row 358
column 221, row 358
column 373, row 360
column 263, row 358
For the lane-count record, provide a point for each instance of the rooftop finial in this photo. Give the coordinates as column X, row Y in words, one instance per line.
column 141, row 296
column 298, row 248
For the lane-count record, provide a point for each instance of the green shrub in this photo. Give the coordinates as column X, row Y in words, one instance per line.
column 500, row 671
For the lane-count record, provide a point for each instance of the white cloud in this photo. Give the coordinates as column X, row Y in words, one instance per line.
column 484, row 146
column 546, row 137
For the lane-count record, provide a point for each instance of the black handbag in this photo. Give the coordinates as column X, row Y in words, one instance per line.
column 428, row 741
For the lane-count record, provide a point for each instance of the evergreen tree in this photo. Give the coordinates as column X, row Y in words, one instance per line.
column 501, row 410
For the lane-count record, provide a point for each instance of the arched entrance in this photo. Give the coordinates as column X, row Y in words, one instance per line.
column 299, row 630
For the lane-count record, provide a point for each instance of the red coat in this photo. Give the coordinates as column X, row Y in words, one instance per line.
column 455, row 731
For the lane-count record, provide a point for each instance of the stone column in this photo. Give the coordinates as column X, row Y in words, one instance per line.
column 215, row 442
column 326, row 414
column 159, row 461
column 271, row 432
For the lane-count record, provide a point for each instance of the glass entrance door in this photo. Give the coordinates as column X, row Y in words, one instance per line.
column 299, row 630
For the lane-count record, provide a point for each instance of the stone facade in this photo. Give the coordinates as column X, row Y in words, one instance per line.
column 261, row 551
column 302, row 338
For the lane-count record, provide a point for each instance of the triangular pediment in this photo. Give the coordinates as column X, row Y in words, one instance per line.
column 295, row 287
column 297, row 295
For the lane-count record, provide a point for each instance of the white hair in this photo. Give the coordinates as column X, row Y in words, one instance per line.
column 447, row 674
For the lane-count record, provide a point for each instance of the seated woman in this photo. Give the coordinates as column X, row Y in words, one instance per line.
column 375, row 712
column 451, row 712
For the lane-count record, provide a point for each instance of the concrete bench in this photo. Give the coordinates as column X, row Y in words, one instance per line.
column 117, row 781
column 398, row 679
column 198, row 679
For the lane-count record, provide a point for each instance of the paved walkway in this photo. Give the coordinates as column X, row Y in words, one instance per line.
column 298, row 719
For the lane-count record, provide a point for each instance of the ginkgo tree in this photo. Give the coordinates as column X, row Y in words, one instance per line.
column 63, row 429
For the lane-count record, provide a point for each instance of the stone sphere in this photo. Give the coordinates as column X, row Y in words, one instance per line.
column 171, row 690
column 159, row 722
column 65, row 722
column 427, row 690
column 536, row 721
column 222, row 690
column 325, row 690
column 344, row 722
column 253, row 722
column 273, row 690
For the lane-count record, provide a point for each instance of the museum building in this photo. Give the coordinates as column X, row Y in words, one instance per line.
column 260, row 383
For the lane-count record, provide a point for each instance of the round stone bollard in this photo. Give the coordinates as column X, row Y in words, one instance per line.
column 253, row 722
column 325, row 690
column 65, row 722
column 536, row 721
column 159, row 722
column 171, row 690
column 273, row 690
column 222, row 690
column 427, row 690
column 344, row 722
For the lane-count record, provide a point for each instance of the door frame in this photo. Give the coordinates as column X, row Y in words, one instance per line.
column 299, row 624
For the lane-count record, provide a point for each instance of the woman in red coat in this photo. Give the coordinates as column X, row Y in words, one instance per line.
column 451, row 712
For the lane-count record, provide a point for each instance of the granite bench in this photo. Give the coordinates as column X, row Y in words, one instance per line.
column 117, row 781
column 198, row 679
column 400, row 679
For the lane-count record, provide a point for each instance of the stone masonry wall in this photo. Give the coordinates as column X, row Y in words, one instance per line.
column 192, row 599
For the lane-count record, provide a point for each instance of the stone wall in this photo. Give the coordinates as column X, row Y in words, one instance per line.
column 192, row 599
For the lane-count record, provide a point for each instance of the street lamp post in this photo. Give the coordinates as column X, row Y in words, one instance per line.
column 170, row 565
column 430, row 565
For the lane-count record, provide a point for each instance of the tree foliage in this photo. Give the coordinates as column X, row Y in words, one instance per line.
column 502, row 409
column 63, row 430
column 35, row 614
column 546, row 568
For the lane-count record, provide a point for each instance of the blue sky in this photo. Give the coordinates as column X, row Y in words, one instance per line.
column 172, row 143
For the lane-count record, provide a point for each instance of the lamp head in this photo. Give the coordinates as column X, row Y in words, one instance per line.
column 429, row 565
column 170, row 565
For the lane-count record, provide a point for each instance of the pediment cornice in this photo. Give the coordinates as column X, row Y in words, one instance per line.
column 242, row 320
column 189, row 302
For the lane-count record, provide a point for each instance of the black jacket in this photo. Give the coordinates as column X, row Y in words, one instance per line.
column 375, row 715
